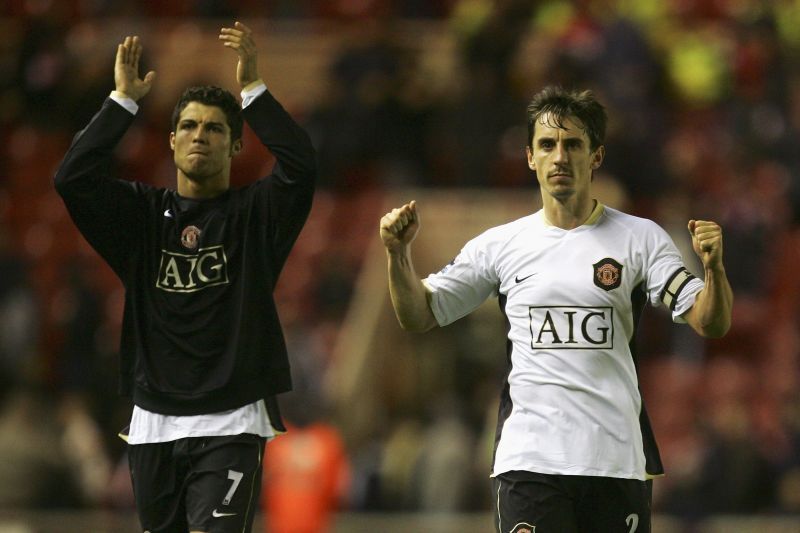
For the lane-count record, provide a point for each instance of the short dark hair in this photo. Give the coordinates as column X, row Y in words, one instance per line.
column 562, row 104
column 212, row 96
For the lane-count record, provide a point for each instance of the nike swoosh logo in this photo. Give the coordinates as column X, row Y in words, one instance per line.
column 520, row 280
column 217, row 514
column 168, row 213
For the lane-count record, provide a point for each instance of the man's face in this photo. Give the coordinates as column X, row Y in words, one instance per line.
column 202, row 143
column 562, row 157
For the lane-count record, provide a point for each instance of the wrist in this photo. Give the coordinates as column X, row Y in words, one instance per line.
column 714, row 270
column 249, row 86
column 400, row 252
column 122, row 94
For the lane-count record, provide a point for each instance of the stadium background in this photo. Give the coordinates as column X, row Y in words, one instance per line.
column 417, row 99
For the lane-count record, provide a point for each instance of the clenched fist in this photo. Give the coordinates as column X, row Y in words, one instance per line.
column 707, row 242
column 399, row 227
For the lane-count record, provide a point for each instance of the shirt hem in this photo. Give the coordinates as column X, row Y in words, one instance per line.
column 574, row 472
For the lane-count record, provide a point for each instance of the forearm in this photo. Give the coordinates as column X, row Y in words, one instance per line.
column 287, row 141
column 88, row 157
column 408, row 293
column 711, row 313
column 103, row 208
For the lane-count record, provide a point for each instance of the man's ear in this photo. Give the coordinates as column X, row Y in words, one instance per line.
column 531, row 161
column 236, row 147
column 597, row 157
column 172, row 141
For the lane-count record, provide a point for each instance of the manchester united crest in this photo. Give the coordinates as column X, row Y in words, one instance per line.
column 607, row 274
column 523, row 527
column 190, row 237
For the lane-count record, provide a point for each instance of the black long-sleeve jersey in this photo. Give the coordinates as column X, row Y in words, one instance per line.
column 200, row 331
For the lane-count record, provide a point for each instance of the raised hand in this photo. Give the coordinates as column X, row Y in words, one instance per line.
column 126, row 70
column 240, row 39
column 707, row 242
column 399, row 227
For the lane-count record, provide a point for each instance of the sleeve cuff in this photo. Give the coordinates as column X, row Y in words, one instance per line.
column 125, row 101
column 687, row 300
column 433, row 303
column 253, row 91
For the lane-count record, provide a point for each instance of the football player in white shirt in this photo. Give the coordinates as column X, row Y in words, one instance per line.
column 574, row 451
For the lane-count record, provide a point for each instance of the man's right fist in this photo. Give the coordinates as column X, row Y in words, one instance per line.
column 400, row 226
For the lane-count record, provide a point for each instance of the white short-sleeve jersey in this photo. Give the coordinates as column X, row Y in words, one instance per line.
column 572, row 298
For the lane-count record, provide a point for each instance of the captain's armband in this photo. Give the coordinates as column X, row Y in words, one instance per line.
column 674, row 286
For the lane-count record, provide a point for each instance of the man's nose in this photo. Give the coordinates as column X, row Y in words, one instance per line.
column 199, row 135
column 560, row 153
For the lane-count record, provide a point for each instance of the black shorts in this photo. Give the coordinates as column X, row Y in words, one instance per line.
column 209, row 484
column 526, row 502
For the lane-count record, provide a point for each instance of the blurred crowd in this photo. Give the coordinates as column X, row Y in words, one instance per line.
column 704, row 105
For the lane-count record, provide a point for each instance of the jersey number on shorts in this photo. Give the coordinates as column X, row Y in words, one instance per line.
column 236, row 477
column 633, row 521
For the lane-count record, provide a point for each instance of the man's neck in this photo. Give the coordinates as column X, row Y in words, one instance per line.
column 568, row 214
column 189, row 188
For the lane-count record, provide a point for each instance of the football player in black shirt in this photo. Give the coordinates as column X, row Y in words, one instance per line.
column 202, row 350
